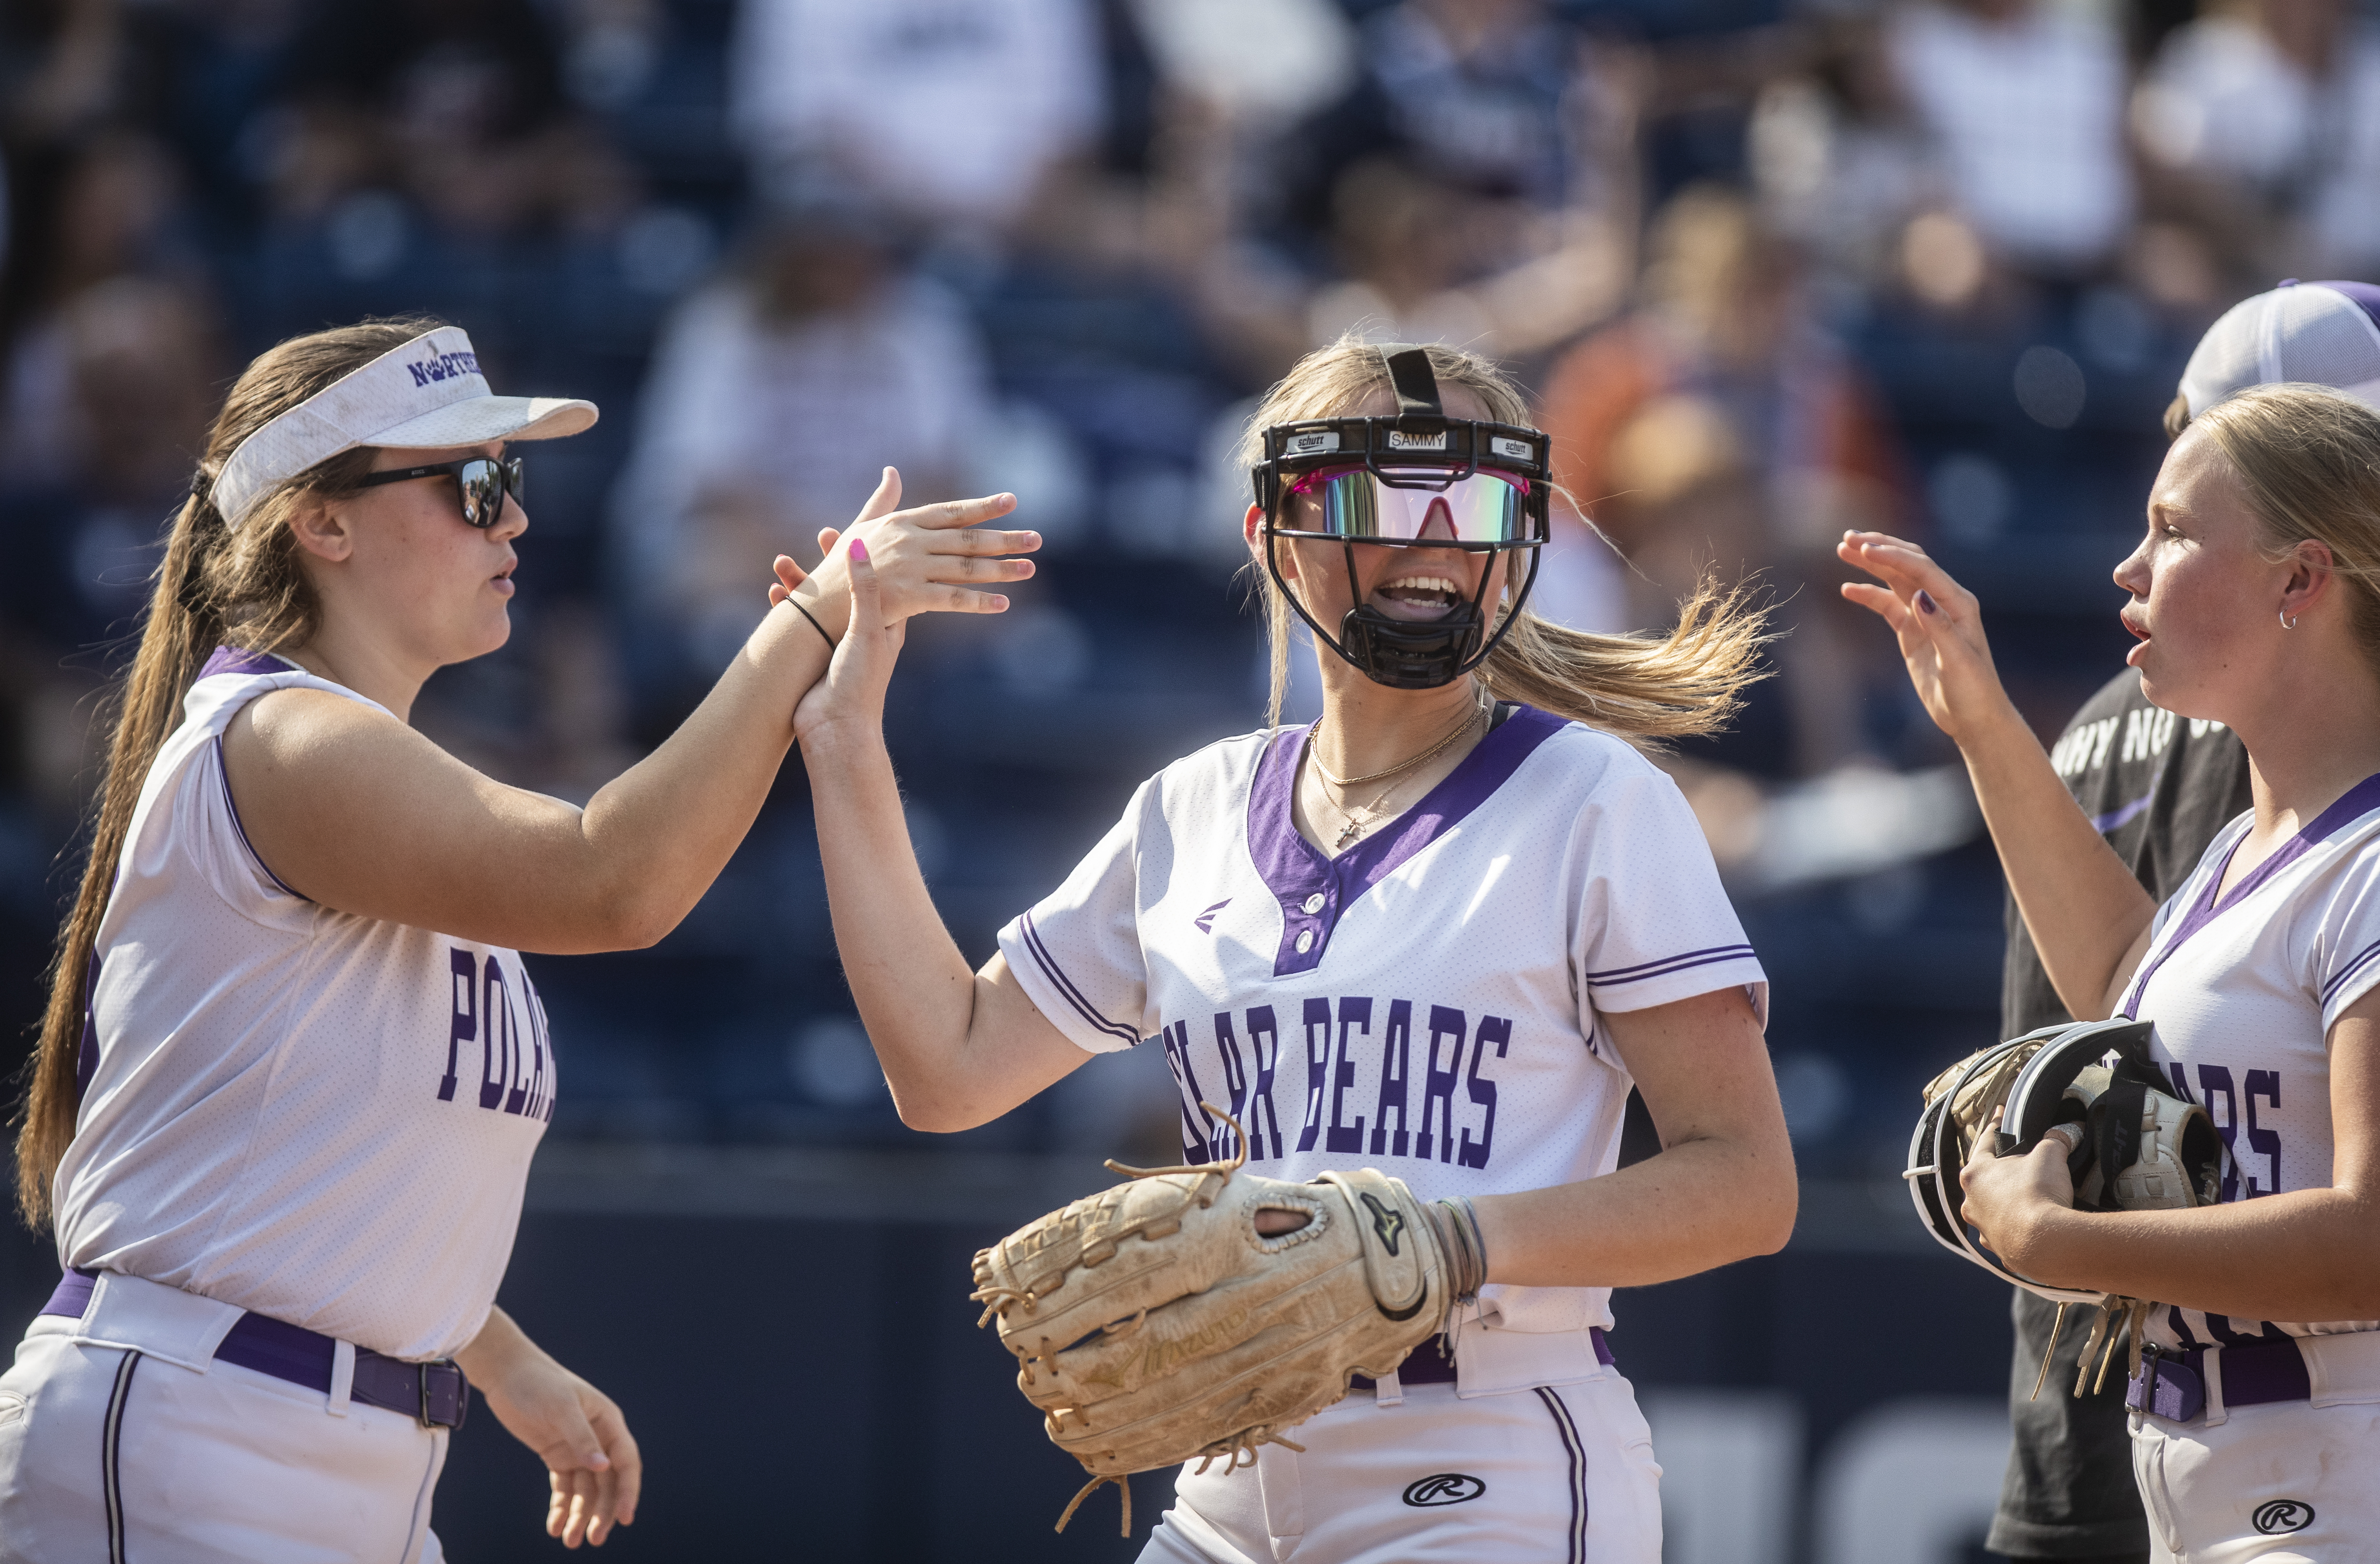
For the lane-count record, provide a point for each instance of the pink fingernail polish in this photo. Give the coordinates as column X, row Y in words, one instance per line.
column 858, row 549
column 1926, row 601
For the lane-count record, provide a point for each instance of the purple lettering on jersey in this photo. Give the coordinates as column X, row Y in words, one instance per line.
column 1265, row 1043
column 544, row 1035
column 1437, row 1085
column 1235, row 1074
column 1496, row 1029
column 1318, row 1069
column 465, row 1025
column 495, row 1039
column 2266, row 1143
column 1199, row 1134
column 1396, row 1046
column 1353, row 1012
column 2213, row 1085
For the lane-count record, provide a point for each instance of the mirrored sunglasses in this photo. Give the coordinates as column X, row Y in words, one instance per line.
column 1408, row 505
column 483, row 482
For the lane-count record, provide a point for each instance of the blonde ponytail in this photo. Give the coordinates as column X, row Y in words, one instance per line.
column 214, row 586
column 1641, row 688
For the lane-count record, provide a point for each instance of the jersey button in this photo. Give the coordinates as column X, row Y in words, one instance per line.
column 1313, row 902
column 1305, row 941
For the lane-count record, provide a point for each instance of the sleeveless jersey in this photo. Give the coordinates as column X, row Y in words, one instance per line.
column 1427, row 1002
column 2243, row 992
column 318, row 1117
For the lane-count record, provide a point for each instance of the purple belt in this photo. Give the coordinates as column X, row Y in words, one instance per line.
column 1431, row 1363
column 435, row 1393
column 2256, row 1373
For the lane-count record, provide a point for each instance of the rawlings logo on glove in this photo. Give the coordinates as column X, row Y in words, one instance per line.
column 1153, row 1323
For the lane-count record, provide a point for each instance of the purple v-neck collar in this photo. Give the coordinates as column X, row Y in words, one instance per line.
column 2357, row 801
column 1315, row 891
column 234, row 660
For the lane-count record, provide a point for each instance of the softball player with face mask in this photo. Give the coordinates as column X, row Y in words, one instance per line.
column 1439, row 933
column 2255, row 1416
column 293, row 1068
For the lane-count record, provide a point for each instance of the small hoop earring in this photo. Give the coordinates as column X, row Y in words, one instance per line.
column 2286, row 622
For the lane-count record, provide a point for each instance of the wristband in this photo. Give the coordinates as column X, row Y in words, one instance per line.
column 813, row 623
column 1457, row 1226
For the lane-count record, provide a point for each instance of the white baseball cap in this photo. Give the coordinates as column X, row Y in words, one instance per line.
column 2319, row 333
column 429, row 392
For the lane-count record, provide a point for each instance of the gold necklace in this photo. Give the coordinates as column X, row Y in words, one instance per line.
column 1358, row 823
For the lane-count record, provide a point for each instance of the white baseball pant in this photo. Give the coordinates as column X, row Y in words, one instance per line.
column 1559, row 1474
column 108, row 1454
column 2285, row 1482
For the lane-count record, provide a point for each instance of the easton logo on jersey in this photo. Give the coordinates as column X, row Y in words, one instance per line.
column 1446, row 1487
column 1205, row 921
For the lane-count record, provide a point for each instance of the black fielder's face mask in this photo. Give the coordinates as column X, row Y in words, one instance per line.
column 1420, row 480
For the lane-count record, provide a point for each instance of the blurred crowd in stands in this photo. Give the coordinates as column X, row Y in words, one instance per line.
column 1773, row 270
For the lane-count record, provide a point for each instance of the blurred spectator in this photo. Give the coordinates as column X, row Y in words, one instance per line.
column 458, row 103
column 777, row 395
column 1719, row 425
column 2026, row 102
column 115, row 209
column 61, row 65
column 2270, row 112
column 1840, row 162
column 953, row 108
column 138, row 365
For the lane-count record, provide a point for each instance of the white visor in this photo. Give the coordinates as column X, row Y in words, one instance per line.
column 427, row 393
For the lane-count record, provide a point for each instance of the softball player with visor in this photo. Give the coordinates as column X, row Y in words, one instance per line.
column 1440, row 932
column 293, row 1068
column 2254, row 595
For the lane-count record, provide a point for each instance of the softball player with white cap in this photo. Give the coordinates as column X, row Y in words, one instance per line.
column 2255, row 596
column 1440, row 933
column 293, row 1068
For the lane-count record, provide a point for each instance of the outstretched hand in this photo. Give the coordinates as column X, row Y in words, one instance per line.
column 850, row 698
column 1940, row 626
column 936, row 559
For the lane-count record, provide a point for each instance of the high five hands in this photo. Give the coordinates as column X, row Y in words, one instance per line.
column 1939, row 627
column 935, row 559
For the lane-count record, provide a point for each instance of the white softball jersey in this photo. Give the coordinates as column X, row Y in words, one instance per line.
column 1427, row 1002
column 315, row 1115
column 2243, row 990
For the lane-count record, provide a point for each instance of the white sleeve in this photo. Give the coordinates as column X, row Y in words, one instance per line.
column 1076, row 953
column 2347, row 962
column 1653, row 927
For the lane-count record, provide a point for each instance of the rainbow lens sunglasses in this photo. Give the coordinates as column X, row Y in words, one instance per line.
column 1405, row 504
column 482, row 482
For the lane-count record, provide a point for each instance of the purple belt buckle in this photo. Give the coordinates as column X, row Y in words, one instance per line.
column 2167, row 1388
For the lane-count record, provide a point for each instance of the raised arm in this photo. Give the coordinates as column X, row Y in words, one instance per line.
column 959, row 1047
column 356, row 811
column 1720, row 1190
column 2087, row 912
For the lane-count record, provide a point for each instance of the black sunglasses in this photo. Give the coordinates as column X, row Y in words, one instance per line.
column 483, row 482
